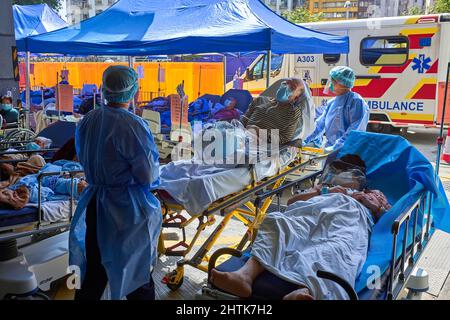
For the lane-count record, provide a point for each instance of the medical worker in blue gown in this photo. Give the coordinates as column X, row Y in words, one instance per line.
column 115, row 230
column 346, row 112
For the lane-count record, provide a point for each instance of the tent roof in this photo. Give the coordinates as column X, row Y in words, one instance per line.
column 145, row 27
column 33, row 20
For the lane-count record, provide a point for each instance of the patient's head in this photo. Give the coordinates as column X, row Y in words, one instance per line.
column 42, row 142
column 290, row 90
column 348, row 171
column 230, row 103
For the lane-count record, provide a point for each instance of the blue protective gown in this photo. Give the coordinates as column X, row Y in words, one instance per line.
column 342, row 115
column 121, row 164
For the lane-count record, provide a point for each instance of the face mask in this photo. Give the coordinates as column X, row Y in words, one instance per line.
column 6, row 107
column 283, row 93
column 227, row 103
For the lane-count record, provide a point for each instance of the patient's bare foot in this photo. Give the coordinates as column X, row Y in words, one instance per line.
column 300, row 294
column 236, row 283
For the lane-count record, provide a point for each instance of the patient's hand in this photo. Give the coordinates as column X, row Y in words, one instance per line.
column 369, row 201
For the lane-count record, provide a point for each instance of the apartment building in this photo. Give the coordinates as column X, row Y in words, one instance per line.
column 74, row 11
column 334, row 9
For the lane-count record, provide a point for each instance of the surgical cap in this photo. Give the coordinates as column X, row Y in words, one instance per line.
column 120, row 84
column 32, row 147
column 343, row 75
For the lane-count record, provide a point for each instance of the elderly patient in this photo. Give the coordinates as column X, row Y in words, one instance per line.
column 326, row 228
column 283, row 113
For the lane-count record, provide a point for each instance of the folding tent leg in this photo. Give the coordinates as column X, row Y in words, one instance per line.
column 27, row 91
column 269, row 62
column 131, row 65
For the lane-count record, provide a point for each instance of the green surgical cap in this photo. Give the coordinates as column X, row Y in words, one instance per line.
column 343, row 75
column 120, row 84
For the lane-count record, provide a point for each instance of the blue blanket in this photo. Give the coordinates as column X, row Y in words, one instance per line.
column 53, row 187
column 403, row 174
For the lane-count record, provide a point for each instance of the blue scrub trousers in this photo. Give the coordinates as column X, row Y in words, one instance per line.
column 95, row 278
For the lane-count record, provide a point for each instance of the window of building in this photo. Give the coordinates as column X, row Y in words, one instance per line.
column 384, row 51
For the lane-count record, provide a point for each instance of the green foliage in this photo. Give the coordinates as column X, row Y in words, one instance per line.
column 441, row 6
column 52, row 3
column 302, row 15
column 414, row 11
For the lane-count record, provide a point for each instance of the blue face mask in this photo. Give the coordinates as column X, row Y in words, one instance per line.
column 6, row 107
column 283, row 93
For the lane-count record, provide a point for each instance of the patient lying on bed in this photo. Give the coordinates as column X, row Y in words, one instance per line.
column 326, row 228
column 22, row 186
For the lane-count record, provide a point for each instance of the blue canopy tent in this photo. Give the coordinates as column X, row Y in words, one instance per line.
column 33, row 20
column 145, row 27
column 153, row 27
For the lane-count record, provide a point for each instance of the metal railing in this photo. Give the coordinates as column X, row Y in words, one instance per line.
column 402, row 266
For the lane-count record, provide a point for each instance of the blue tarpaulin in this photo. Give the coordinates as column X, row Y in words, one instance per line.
column 143, row 27
column 33, row 20
column 403, row 174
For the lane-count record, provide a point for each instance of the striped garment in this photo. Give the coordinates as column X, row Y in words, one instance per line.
column 265, row 113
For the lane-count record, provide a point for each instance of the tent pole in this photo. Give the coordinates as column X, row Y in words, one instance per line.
column 269, row 58
column 27, row 90
column 131, row 65
column 224, row 73
column 440, row 139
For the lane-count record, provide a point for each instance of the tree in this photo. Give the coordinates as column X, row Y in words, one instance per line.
column 302, row 15
column 441, row 6
column 414, row 11
column 52, row 3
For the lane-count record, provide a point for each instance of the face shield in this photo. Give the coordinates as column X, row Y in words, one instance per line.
column 343, row 174
column 329, row 88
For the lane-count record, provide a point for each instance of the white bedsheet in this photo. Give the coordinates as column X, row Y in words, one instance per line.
column 55, row 211
column 196, row 186
column 329, row 232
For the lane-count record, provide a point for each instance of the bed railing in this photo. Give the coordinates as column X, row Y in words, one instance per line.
column 401, row 267
column 40, row 226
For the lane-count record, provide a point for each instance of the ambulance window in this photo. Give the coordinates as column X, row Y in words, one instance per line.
column 384, row 51
column 331, row 58
column 259, row 71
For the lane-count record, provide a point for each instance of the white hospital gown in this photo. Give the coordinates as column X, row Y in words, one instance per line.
column 328, row 232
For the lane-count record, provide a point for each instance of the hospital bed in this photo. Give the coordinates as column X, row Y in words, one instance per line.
column 34, row 243
column 59, row 132
column 404, row 232
column 238, row 204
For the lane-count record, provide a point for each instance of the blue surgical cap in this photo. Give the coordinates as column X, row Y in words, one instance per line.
column 32, row 147
column 343, row 75
column 120, row 84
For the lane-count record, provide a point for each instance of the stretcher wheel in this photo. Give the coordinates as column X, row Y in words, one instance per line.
column 175, row 286
column 174, row 280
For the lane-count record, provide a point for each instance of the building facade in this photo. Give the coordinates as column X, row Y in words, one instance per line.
column 390, row 8
column 74, row 11
column 334, row 9
column 281, row 6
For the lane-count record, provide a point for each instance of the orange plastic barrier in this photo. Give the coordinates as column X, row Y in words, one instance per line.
column 199, row 78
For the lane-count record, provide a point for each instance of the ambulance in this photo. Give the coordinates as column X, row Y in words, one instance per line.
column 401, row 66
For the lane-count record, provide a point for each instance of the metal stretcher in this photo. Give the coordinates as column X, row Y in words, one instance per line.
column 240, row 205
column 414, row 239
column 393, row 281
